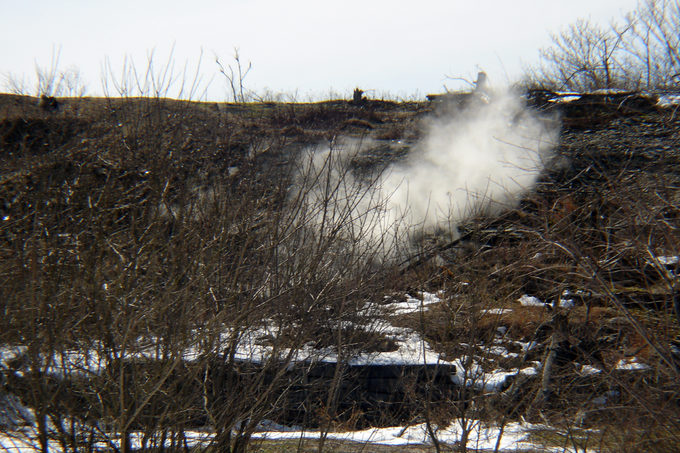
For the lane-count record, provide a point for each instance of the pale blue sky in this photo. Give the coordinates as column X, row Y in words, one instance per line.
column 315, row 47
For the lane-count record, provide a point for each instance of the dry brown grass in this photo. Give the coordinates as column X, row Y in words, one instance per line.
column 103, row 183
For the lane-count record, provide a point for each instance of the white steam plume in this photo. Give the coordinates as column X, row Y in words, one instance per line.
column 479, row 159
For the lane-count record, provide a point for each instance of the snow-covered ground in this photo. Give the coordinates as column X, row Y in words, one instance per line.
column 669, row 100
column 414, row 304
column 532, row 301
column 512, row 437
column 664, row 99
column 412, row 349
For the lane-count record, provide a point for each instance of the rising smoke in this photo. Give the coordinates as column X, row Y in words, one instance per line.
column 477, row 159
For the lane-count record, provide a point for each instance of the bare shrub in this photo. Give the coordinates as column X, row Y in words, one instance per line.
column 642, row 53
column 239, row 93
column 138, row 267
column 51, row 81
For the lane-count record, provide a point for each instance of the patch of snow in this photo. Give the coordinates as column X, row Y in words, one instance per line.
column 668, row 260
column 589, row 370
column 413, row 304
column 666, row 264
column 59, row 363
column 496, row 350
column 530, row 301
column 567, row 303
column 9, row 353
column 19, row 443
column 496, row 380
column 480, row 436
column 501, row 351
column 492, row 381
column 527, row 346
column 602, row 400
column 12, row 413
column 496, row 311
column 413, row 350
column 531, row 371
column 610, row 91
column 565, row 97
column 538, row 365
column 668, row 100
column 579, row 293
column 631, row 364
column 27, row 441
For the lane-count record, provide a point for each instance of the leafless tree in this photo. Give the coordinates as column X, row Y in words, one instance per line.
column 652, row 43
column 583, row 57
column 642, row 53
